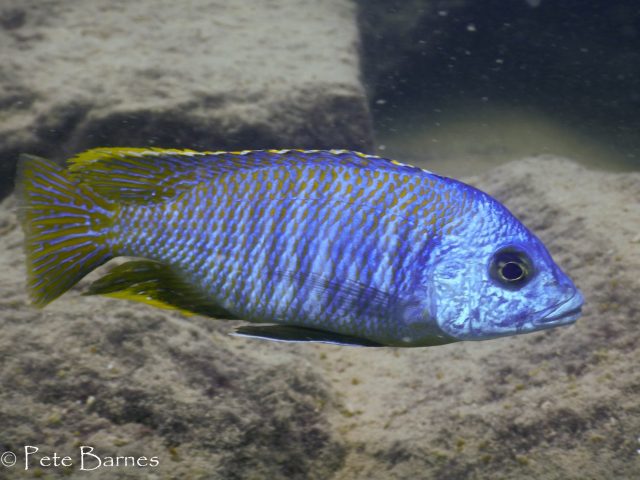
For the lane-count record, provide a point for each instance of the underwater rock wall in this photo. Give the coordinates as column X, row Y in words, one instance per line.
column 129, row 379
column 203, row 75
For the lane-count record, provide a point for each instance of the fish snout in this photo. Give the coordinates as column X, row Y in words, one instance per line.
column 564, row 312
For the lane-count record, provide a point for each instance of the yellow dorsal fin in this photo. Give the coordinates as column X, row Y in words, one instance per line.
column 131, row 175
column 141, row 175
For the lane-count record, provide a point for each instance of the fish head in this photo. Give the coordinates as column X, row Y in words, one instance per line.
column 496, row 278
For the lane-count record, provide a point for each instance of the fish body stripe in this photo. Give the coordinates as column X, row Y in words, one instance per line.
column 256, row 241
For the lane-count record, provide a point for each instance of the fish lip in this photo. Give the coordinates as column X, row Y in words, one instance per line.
column 563, row 313
column 568, row 316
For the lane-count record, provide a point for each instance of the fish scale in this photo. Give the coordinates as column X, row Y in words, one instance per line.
column 279, row 245
column 334, row 245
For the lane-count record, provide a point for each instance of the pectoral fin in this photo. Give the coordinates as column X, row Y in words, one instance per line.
column 291, row 333
column 158, row 285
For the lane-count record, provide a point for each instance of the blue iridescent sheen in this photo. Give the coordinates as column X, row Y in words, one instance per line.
column 343, row 242
column 331, row 245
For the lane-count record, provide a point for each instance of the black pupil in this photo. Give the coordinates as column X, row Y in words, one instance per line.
column 512, row 271
column 511, row 268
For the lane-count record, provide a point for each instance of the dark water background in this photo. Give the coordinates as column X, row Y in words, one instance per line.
column 477, row 83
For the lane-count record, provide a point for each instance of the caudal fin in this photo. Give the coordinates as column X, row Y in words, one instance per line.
column 65, row 225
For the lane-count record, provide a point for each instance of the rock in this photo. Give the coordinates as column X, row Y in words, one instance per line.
column 210, row 75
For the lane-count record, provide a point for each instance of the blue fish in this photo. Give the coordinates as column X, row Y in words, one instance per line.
column 318, row 245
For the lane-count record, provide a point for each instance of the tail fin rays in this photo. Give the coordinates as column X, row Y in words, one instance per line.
column 65, row 225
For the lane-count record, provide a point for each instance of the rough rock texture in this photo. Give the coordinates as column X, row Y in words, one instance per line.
column 207, row 74
column 131, row 380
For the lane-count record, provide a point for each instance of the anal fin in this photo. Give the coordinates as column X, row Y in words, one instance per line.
column 292, row 333
column 158, row 285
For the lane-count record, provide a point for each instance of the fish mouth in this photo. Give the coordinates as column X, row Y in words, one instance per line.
column 564, row 313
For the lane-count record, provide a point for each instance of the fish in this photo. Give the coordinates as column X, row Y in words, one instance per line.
column 330, row 246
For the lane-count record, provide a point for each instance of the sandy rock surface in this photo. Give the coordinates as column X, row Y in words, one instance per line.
column 206, row 74
column 132, row 380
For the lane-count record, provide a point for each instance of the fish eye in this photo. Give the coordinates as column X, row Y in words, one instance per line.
column 511, row 268
column 512, row 271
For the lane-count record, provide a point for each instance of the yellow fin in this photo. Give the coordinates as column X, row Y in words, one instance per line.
column 157, row 285
column 142, row 175
column 65, row 226
column 132, row 175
